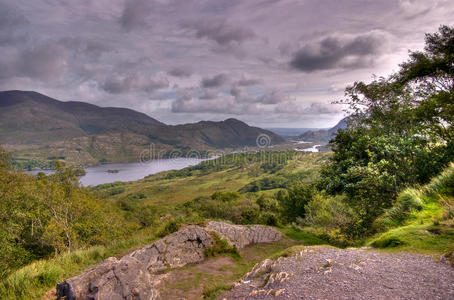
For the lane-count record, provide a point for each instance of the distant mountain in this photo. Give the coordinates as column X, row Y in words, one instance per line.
column 34, row 125
column 323, row 136
column 290, row 132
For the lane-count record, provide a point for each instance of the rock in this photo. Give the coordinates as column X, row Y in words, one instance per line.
column 175, row 250
column 136, row 275
column 260, row 269
column 242, row 236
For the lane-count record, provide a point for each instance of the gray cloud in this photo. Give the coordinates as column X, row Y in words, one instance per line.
column 215, row 81
column 333, row 52
column 124, row 52
column 11, row 23
column 136, row 81
column 180, row 72
column 43, row 62
column 218, row 31
column 135, row 14
column 315, row 108
column 247, row 81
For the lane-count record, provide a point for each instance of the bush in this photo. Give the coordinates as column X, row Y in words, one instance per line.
column 444, row 183
column 221, row 246
column 294, row 199
column 328, row 212
column 225, row 196
column 169, row 228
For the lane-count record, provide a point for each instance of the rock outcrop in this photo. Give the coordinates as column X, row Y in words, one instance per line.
column 135, row 275
column 242, row 236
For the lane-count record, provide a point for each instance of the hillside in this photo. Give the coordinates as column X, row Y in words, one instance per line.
column 35, row 126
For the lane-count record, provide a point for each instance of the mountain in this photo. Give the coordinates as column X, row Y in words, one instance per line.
column 36, row 126
column 323, row 136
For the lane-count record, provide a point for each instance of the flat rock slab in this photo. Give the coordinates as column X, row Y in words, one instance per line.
column 321, row 272
column 135, row 275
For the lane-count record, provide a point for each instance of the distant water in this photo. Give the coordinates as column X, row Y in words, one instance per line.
column 129, row 171
column 311, row 149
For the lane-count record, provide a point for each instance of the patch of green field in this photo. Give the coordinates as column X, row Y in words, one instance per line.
column 164, row 192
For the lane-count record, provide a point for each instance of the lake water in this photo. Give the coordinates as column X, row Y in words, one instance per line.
column 129, row 171
column 311, row 149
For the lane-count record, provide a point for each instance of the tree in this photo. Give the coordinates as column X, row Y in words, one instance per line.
column 293, row 200
column 400, row 131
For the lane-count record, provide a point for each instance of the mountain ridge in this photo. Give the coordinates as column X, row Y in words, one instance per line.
column 32, row 120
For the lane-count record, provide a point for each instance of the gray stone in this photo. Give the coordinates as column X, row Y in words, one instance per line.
column 242, row 236
column 135, row 275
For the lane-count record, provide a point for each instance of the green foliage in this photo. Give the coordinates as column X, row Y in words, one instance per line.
column 225, row 196
column 294, row 200
column 444, row 183
column 45, row 215
column 328, row 212
column 400, row 133
column 169, row 227
column 422, row 218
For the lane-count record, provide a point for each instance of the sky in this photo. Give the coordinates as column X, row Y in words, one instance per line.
column 270, row 63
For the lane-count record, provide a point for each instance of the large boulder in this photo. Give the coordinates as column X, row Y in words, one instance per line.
column 242, row 236
column 135, row 275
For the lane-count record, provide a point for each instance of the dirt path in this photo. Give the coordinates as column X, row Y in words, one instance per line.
column 328, row 273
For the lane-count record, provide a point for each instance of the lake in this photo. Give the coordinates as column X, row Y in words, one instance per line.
column 129, row 171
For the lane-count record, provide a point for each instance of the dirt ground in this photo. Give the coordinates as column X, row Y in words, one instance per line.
column 328, row 273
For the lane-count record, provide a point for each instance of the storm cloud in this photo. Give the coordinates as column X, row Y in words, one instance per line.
column 218, row 31
column 266, row 62
column 332, row 52
column 215, row 81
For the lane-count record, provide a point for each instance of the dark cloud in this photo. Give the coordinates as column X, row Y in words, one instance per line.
column 218, row 31
column 44, row 61
column 134, row 82
column 247, row 81
column 180, row 72
column 135, row 14
column 11, row 23
column 333, row 52
column 215, row 81
column 85, row 47
column 273, row 97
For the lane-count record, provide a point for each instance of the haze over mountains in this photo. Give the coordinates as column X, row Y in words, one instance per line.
column 323, row 136
column 29, row 120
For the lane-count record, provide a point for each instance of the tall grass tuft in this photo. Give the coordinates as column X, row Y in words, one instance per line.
column 443, row 184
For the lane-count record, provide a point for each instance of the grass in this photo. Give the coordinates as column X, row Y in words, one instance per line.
column 308, row 238
column 422, row 219
column 34, row 280
column 165, row 193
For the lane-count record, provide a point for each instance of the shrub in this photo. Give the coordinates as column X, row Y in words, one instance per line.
column 444, row 183
column 328, row 212
column 225, row 196
column 221, row 246
column 170, row 227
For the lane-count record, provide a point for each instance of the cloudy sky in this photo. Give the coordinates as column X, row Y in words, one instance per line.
column 271, row 63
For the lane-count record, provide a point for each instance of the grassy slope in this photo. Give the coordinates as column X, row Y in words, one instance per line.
column 422, row 220
column 163, row 192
